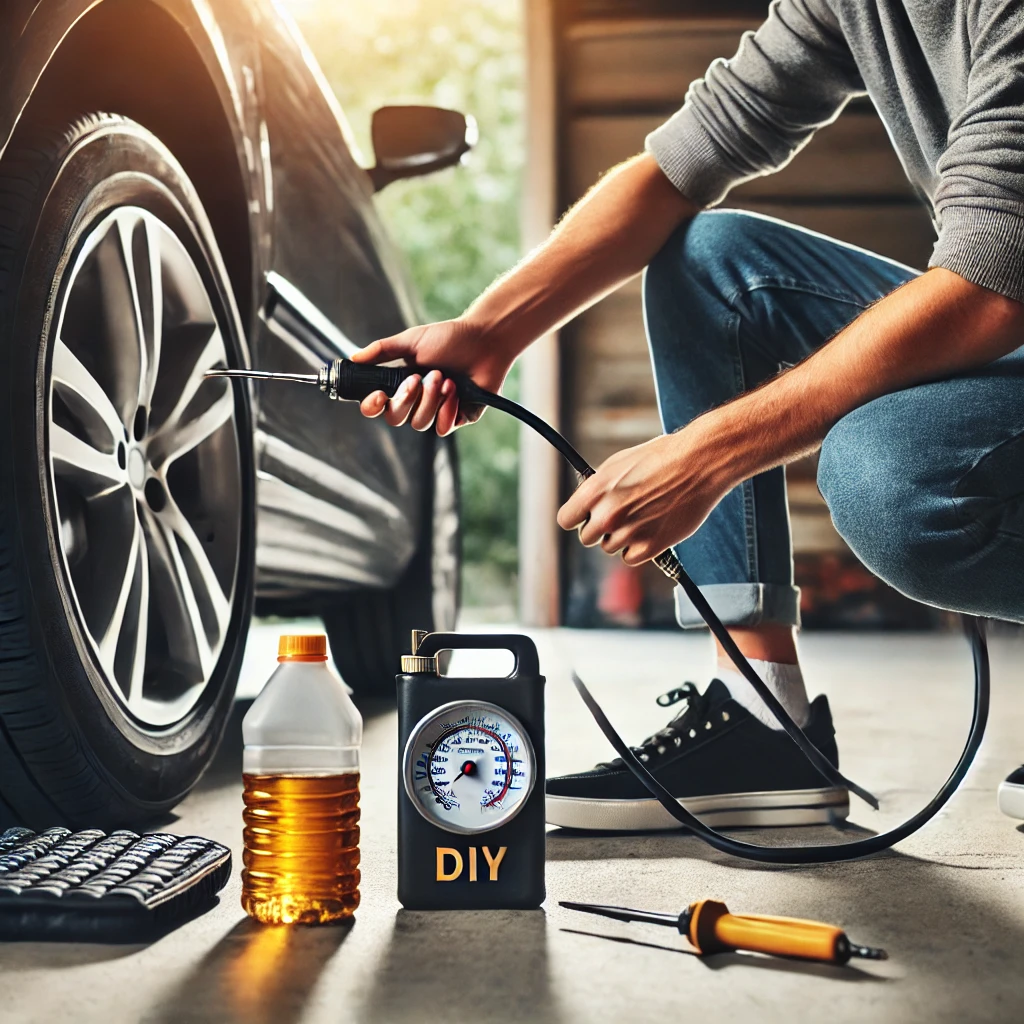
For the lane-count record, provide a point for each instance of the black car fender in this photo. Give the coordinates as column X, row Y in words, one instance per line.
column 49, row 44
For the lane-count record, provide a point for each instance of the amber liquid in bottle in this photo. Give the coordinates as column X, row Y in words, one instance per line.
column 301, row 859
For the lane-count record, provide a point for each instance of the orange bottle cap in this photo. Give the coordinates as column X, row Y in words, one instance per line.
column 302, row 647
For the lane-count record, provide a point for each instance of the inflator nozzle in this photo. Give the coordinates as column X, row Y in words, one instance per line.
column 340, row 380
column 297, row 378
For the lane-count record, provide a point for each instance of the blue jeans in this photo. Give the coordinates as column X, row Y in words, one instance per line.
column 926, row 485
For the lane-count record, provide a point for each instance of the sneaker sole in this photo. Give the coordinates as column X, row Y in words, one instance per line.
column 723, row 810
column 1011, row 800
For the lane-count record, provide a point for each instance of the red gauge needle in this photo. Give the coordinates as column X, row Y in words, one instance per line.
column 468, row 768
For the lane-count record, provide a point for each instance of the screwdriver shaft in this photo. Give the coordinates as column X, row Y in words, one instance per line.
column 623, row 913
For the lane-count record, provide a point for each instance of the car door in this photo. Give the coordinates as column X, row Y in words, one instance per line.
column 339, row 495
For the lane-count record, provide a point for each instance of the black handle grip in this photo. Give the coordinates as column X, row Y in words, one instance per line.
column 352, row 382
column 520, row 647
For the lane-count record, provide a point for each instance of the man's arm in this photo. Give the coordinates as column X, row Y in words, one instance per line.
column 607, row 238
column 647, row 498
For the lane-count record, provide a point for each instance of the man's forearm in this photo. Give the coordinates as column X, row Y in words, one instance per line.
column 607, row 238
column 935, row 326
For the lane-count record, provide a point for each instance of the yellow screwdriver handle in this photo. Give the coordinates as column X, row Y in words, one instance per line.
column 714, row 930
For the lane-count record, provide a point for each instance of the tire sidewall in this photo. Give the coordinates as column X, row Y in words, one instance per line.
column 113, row 163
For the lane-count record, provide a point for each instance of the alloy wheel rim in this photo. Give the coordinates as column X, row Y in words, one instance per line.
column 144, row 466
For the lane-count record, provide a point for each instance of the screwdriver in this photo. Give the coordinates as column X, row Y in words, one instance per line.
column 712, row 929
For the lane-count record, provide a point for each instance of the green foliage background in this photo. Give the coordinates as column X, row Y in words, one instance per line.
column 459, row 228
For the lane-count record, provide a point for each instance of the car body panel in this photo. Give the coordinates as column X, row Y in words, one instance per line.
column 340, row 497
column 326, row 255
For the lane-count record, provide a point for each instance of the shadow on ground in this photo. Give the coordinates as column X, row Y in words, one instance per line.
column 456, row 958
column 566, row 844
column 719, row 961
column 257, row 974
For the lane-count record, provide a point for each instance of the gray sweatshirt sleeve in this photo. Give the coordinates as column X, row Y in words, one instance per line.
column 748, row 116
column 979, row 201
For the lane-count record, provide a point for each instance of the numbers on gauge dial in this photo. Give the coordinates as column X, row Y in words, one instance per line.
column 471, row 766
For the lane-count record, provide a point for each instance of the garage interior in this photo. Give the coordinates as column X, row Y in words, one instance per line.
column 948, row 904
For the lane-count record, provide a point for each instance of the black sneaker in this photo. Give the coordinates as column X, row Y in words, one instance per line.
column 722, row 764
column 1011, row 794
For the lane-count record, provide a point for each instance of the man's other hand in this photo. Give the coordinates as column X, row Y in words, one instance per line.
column 645, row 499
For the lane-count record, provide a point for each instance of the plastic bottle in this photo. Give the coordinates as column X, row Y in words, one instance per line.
column 301, row 775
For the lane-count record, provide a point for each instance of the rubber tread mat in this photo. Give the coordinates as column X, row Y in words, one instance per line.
column 92, row 886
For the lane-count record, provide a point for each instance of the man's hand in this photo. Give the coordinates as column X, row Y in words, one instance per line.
column 645, row 499
column 459, row 346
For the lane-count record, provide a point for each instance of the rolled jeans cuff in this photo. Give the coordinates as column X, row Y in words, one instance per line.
column 743, row 604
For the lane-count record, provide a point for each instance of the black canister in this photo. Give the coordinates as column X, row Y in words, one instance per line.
column 470, row 779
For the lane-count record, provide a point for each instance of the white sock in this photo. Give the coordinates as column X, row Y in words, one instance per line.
column 785, row 681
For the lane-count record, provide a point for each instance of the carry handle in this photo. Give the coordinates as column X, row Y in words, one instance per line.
column 520, row 647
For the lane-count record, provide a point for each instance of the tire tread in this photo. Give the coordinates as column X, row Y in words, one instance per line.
column 34, row 743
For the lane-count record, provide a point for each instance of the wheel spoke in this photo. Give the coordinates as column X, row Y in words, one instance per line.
column 156, row 285
column 120, row 341
column 82, row 393
column 210, row 355
column 180, row 437
column 167, row 529
column 179, row 610
column 140, row 246
column 94, row 472
column 213, row 592
column 138, row 664
column 112, row 632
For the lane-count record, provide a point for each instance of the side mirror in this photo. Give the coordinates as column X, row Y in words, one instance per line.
column 408, row 141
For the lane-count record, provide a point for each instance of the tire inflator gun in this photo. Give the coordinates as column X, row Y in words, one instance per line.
column 344, row 380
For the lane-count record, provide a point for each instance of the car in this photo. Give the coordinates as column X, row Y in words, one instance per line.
column 179, row 191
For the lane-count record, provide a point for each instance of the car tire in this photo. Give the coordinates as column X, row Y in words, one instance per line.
column 370, row 630
column 127, row 491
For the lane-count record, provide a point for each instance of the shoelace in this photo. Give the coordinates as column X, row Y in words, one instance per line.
column 671, row 735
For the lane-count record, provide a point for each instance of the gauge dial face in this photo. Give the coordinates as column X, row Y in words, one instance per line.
column 469, row 767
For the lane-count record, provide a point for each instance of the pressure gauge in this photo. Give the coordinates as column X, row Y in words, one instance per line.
column 469, row 766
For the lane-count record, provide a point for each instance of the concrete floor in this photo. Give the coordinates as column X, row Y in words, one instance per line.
column 948, row 905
